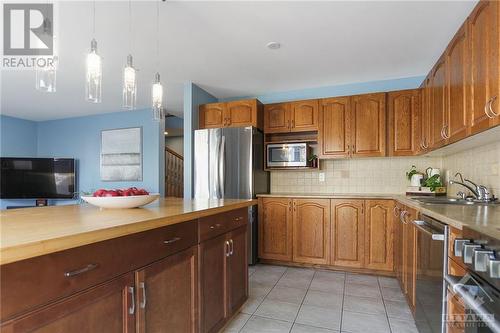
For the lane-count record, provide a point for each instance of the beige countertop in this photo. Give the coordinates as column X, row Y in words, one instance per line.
column 484, row 219
column 30, row 232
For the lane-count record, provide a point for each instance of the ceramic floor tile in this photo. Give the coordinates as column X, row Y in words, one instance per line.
column 237, row 323
column 364, row 304
column 362, row 290
column 299, row 272
column 319, row 317
column 390, row 282
column 265, row 325
column 330, row 286
column 329, row 275
column 299, row 328
column 257, row 289
column 398, row 309
column 285, row 294
column 370, row 280
column 403, row 326
column 301, row 282
column 393, row 294
column 251, row 270
column 353, row 322
column 323, row 300
column 251, row 304
column 267, row 278
column 277, row 310
column 270, row 268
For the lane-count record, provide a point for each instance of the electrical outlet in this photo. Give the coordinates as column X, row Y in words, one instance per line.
column 321, row 176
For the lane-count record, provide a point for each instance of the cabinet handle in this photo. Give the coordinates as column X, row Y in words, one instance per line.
column 231, row 251
column 402, row 217
column 486, row 111
column 293, row 123
column 446, row 131
column 491, row 109
column 215, row 226
column 227, row 249
column 289, row 127
column 394, row 211
column 173, row 240
column 85, row 269
column 290, row 206
column 425, row 144
column 131, row 309
column 143, row 301
column 237, row 219
column 442, row 133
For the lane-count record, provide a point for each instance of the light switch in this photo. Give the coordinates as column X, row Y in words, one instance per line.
column 321, row 176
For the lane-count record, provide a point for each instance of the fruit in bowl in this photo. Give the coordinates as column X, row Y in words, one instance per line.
column 132, row 197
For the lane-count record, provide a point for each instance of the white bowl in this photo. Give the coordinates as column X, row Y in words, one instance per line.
column 132, row 201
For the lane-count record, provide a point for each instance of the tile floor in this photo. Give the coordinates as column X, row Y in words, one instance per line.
column 301, row 300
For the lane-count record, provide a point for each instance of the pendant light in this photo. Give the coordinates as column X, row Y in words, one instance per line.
column 93, row 84
column 129, row 72
column 157, row 89
column 46, row 76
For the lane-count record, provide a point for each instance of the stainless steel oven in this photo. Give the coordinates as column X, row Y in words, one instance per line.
column 282, row 155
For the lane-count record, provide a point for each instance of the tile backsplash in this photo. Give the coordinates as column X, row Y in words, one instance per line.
column 387, row 175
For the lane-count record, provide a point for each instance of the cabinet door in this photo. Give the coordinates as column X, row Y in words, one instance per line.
column 304, row 116
column 398, row 243
column 241, row 113
column 423, row 118
column 106, row 308
column 410, row 252
column 484, row 36
column 212, row 115
column 438, row 106
column 347, row 233
column 456, row 313
column 379, row 252
column 457, row 62
column 368, row 123
column 404, row 107
column 167, row 294
column 277, row 118
column 334, row 134
column 311, row 230
column 237, row 269
column 275, row 229
column 213, row 283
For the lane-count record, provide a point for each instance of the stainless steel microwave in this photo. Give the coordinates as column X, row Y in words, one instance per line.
column 287, row 155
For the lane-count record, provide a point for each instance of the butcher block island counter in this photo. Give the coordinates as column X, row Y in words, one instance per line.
column 175, row 265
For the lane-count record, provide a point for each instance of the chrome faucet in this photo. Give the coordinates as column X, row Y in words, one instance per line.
column 480, row 192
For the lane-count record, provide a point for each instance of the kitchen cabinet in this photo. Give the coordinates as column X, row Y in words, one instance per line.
column 108, row 307
column 347, row 220
column 438, row 107
column 398, row 243
column 277, row 118
column 456, row 315
column 237, row 269
column 379, row 235
column 167, row 294
column 423, row 118
column 298, row 116
column 240, row 113
column 404, row 107
column 409, row 255
column 457, row 68
column 311, row 230
column 484, row 76
column 334, row 136
column 368, row 125
column 275, row 228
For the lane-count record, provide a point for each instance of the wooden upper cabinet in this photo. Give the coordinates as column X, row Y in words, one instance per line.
column 311, row 230
column 334, row 127
column 368, row 124
column 423, row 118
column 277, row 118
column 404, row 107
column 160, row 288
column 457, row 67
column 275, row 228
column 212, row 115
column 438, row 107
column 347, row 230
column 237, row 269
column 241, row 113
column 484, row 76
column 379, row 252
column 304, row 116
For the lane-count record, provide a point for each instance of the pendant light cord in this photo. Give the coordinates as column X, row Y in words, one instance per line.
column 93, row 19
column 158, row 33
column 130, row 24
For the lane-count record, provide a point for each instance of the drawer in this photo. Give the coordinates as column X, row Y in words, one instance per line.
column 454, row 234
column 455, row 269
column 215, row 225
column 29, row 283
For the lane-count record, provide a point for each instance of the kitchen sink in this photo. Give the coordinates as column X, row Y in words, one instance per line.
column 453, row 201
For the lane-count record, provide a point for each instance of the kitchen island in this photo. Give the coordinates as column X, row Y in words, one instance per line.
column 174, row 265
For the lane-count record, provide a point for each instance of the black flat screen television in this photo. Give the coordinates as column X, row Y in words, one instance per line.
column 37, row 178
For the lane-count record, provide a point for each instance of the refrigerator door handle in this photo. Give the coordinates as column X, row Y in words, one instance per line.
column 221, row 168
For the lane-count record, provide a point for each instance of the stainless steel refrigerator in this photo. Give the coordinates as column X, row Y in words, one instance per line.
column 229, row 163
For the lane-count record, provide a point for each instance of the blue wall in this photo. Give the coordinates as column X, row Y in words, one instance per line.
column 17, row 137
column 339, row 90
column 193, row 97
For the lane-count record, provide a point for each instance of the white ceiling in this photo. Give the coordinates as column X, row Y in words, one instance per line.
column 221, row 47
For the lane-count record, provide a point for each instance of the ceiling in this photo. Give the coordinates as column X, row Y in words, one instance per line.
column 221, row 46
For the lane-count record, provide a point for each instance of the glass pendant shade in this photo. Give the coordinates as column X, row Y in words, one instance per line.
column 93, row 83
column 129, row 84
column 46, row 76
column 157, row 96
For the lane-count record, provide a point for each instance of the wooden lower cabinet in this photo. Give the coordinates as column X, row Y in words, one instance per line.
column 275, row 228
column 237, row 269
column 455, row 314
column 108, row 307
column 167, row 294
column 407, row 252
column 379, row 235
column 347, row 220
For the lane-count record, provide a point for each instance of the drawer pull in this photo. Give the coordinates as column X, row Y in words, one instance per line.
column 143, row 302
column 87, row 268
column 215, row 226
column 131, row 309
column 237, row 219
column 173, row 240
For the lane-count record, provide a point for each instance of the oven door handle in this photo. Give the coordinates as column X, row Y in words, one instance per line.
column 422, row 226
column 461, row 290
